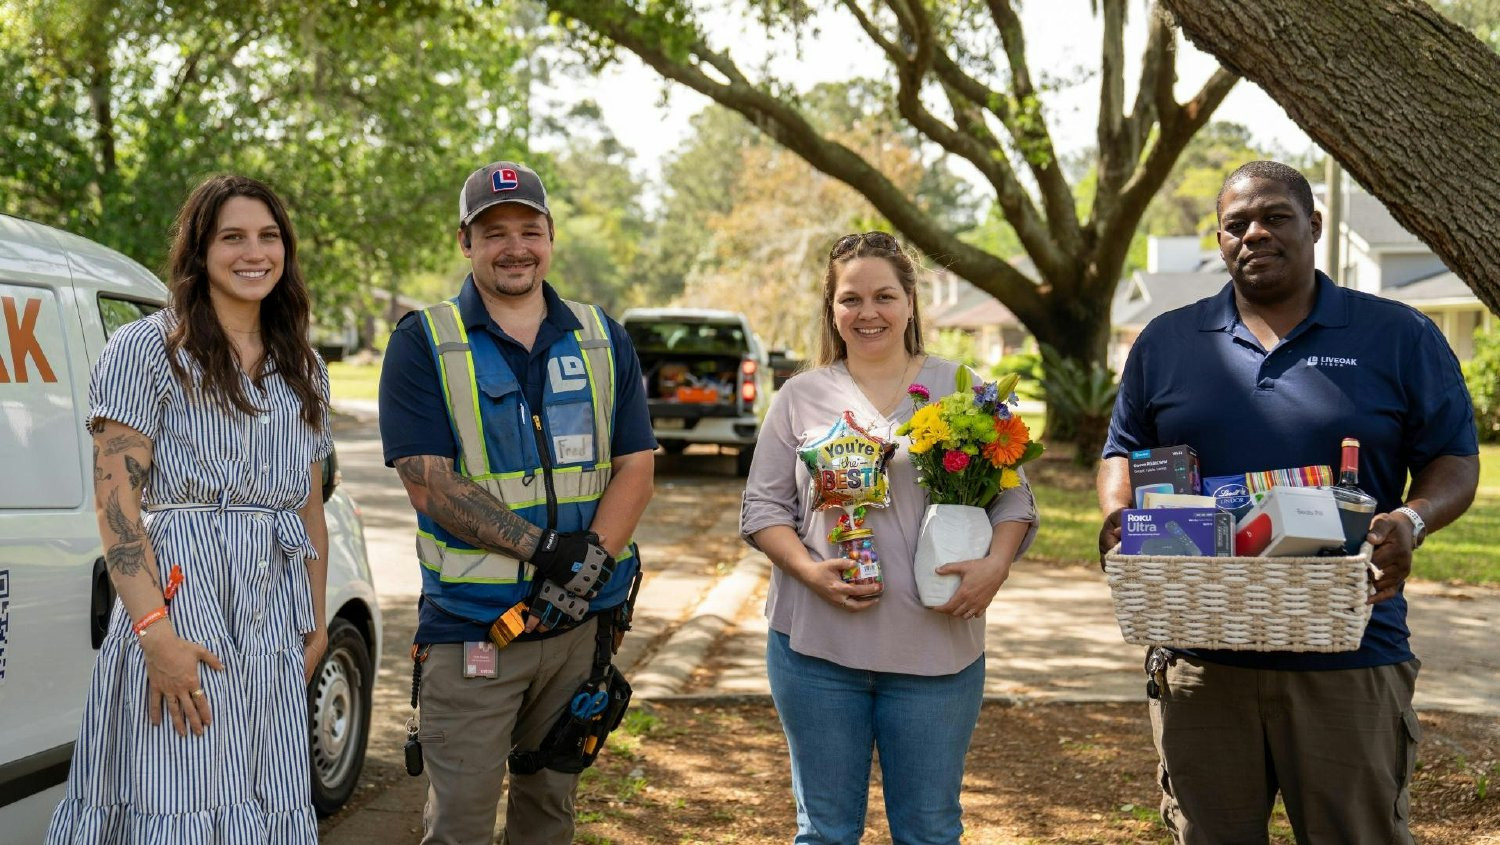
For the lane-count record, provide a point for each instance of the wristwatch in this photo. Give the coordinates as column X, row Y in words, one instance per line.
column 1418, row 525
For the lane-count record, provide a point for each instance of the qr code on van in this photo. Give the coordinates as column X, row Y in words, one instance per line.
column 4, row 619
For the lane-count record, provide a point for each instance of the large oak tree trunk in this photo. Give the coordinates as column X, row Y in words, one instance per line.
column 1406, row 100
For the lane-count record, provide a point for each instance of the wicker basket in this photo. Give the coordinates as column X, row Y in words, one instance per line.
column 1241, row 603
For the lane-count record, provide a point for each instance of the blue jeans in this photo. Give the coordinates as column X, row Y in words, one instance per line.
column 834, row 717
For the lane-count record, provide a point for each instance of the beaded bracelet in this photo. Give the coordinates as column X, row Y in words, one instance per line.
column 148, row 620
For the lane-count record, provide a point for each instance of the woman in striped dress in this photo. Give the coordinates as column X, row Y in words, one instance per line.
column 208, row 419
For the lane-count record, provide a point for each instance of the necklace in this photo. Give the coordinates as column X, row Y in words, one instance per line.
column 889, row 396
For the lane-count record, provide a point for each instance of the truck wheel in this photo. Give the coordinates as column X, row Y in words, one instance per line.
column 673, row 447
column 742, row 460
column 338, row 712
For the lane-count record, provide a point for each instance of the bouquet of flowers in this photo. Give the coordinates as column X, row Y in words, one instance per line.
column 966, row 447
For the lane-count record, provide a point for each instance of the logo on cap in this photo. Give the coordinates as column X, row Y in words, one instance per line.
column 504, row 179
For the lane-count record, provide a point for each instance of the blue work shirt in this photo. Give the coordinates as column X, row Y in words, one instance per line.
column 1357, row 366
column 414, row 415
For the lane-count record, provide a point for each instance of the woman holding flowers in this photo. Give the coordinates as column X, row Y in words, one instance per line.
column 856, row 668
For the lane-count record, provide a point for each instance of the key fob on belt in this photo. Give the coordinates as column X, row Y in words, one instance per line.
column 413, row 749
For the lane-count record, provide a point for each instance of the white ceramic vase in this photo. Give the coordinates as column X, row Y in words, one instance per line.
column 950, row 533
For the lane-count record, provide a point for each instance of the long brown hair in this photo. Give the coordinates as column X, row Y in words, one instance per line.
column 284, row 313
column 831, row 346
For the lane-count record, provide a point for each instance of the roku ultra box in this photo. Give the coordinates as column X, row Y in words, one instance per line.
column 1168, row 469
column 1201, row 532
column 1290, row 521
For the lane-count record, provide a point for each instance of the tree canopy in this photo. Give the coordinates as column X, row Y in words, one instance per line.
column 963, row 86
column 365, row 117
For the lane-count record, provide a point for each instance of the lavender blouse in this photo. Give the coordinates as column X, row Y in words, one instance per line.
column 898, row 634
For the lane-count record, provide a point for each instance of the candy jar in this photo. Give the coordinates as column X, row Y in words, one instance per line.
column 857, row 545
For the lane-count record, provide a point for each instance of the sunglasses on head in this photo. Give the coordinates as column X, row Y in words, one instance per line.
column 879, row 240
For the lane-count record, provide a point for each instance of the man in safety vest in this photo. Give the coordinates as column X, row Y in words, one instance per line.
column 517, row 421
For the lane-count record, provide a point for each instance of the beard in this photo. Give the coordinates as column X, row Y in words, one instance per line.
column 508, row 284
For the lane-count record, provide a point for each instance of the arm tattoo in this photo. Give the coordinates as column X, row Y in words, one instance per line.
column 122, row 442
column 126, row 559
column 413, row 471
column 99, row 473
column 127, row 529
column 467, row 510
column 127, row 556
column 137, row 473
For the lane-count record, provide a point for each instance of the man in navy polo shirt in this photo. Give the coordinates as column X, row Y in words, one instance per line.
column 1273, row 372
column 517, row 421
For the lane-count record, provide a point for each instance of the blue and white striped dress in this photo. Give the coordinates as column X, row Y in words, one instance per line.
column 221, row 503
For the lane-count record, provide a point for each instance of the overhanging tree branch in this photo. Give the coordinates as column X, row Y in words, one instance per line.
column 783, row 123
column 1178, row 125
column 1032, row 136
column 988, row 158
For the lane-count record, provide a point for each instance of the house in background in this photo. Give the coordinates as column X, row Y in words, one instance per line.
column 957, row 305
column 1378, row 256
column 1179, row 271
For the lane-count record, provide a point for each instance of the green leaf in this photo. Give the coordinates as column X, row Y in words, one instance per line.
column 963, row 380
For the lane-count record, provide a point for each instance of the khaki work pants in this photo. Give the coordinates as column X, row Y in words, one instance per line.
column 468, row 726
column 1340, row 746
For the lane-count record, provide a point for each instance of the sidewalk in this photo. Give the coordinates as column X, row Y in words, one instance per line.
column 1052, row 637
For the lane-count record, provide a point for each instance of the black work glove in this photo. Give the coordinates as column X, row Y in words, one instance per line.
column 574, row 561
column 552, row 604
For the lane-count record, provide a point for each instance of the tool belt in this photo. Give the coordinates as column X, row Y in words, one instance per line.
column 597, row 708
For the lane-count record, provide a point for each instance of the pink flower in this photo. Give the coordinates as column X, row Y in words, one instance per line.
column 918, row 391
column 955, row 461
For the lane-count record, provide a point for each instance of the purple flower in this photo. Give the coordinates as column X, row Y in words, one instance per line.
column 917, row 391
column 986, row 394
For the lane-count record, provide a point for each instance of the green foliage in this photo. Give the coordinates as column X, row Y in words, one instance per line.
column 354, row 381
column 954, row 345
column 1482, row 374
column 1084, row 394
column 1480, row 16
column 1185, row 203
column 364, row 116
column 1028, row 365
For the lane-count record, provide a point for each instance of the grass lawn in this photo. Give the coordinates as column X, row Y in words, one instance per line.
column 354, row 381
column 1467, row 551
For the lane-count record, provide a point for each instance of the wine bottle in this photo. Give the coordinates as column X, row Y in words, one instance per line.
column 1356, row 507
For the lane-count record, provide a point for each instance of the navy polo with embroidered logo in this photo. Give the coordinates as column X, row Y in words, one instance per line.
column 1357, row 366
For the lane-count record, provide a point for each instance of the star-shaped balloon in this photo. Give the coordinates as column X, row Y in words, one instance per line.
column 847, row 465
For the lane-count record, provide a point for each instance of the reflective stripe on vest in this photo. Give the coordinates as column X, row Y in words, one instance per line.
column 520, row 489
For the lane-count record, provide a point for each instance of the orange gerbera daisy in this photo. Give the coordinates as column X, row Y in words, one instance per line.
column 1011, row 437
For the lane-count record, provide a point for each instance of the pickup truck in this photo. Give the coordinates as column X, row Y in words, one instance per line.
column 707, row 377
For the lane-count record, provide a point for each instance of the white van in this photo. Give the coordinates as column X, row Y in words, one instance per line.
column 60, row 298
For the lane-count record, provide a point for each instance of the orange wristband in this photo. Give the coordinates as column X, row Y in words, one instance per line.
column 148, row 620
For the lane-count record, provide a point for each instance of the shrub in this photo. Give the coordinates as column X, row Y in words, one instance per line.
column 1482, row 373
column 1080, row 402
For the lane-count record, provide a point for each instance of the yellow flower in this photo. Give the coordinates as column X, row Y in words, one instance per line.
column 927, row 428
column 1009, row 479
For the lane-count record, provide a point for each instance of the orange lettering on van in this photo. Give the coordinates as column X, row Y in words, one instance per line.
column 23, row 342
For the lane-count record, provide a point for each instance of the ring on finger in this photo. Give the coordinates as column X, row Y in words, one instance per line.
column 197, row 693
